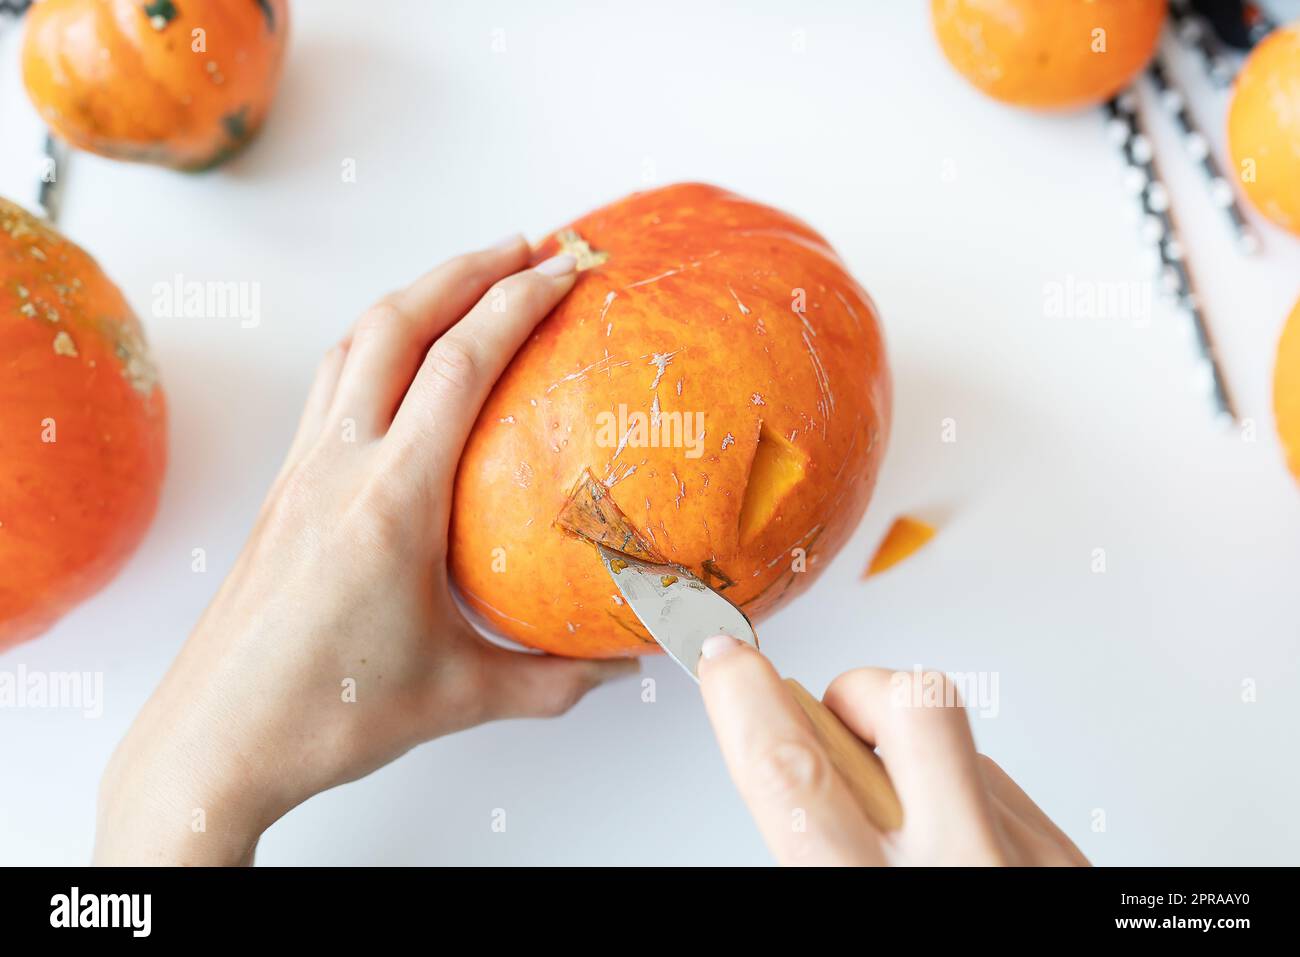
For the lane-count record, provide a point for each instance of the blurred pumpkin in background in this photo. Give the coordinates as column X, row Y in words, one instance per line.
column 1286, row 391
column 1048, row 54
column 181, row 83
column 1264, row 127
column 83, row 442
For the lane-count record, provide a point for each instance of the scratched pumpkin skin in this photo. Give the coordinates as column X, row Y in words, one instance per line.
column 692, row 311
column 123, row 78
column 82, row 427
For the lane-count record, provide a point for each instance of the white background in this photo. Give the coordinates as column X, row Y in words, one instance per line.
column 1119, row 691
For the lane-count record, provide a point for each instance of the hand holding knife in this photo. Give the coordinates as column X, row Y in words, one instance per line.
column 681, row 612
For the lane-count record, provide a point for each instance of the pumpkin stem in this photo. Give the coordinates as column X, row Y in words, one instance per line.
column 577, row 247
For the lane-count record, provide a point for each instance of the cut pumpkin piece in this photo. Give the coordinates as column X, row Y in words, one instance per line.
column 589, row 513
column 905, row 537
column 1286, row 391
column 776, row 469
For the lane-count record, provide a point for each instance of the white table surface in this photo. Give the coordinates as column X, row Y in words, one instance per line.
column 1119, row 691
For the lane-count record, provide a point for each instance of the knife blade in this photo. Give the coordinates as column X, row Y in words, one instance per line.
column 680, row 612
column 678, row 609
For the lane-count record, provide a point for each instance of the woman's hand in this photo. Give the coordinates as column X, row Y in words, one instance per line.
column 958, row 806
column 334, row 645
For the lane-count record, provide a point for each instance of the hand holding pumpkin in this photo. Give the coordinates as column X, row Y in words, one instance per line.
column 335, row 645
column 959, row 807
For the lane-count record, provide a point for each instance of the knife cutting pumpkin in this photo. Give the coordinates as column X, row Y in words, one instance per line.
column 680, row 612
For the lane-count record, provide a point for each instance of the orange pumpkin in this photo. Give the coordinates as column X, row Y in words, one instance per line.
column 1286, row 390
column 1061, row 54
column 715, row 384
column 1264, row 127
column 82, row 427
column 182, row 83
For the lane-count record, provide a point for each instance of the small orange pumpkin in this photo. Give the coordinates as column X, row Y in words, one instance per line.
column 1286, row 390
column 181, row 83
column 83, row 442
column 1264, row 127
column 1048, row 54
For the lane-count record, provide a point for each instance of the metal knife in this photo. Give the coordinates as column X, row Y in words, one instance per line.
column 680, row 611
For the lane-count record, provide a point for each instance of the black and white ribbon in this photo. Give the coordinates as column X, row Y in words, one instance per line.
column 1198, row 148
column 1158, row 229
column 50, row 192
column 1194, row 32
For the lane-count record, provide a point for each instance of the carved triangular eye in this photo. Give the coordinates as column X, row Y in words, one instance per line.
column 776, row 468
column 591, row 514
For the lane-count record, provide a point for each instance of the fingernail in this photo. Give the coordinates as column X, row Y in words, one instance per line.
column 510, row 242
column 717, row 645
column 557, row 266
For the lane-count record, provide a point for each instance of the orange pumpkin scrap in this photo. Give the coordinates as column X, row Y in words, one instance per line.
column 1048, row 54
column 904, row 538
column 713, row 390
column 1264, row 127
column 82, row 427
column 1286, row 390
column 182, row 83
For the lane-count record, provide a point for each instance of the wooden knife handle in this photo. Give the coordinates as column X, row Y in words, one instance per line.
column 862, row 771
